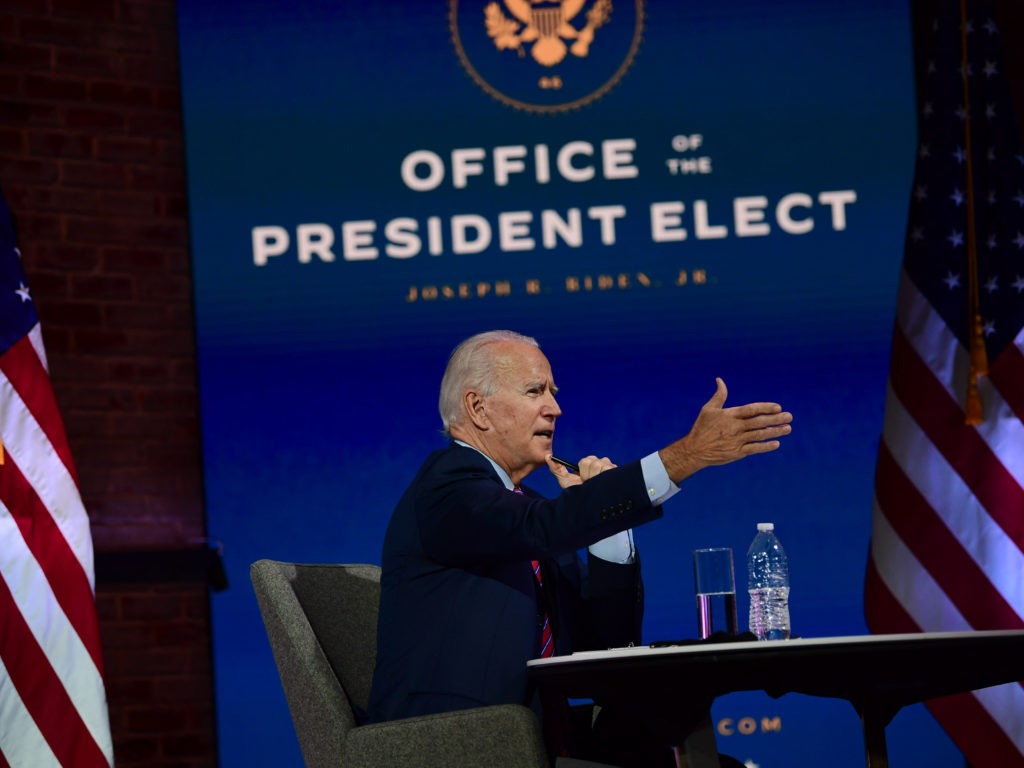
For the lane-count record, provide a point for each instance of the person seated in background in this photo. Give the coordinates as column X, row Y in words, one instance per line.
column 480, row 573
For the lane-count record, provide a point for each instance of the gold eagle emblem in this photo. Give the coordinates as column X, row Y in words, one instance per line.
column 544, row 27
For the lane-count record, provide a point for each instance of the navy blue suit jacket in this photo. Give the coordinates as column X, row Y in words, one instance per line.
column 459, row 612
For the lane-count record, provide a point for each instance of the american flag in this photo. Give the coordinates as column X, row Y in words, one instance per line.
column 53, row 707
column 948, row 522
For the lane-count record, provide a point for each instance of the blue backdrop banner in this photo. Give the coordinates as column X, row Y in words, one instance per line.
column 660, row 193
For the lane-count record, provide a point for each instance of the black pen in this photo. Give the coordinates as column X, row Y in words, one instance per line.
column 566, row 464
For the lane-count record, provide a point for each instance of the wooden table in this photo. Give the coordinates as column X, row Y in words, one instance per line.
column 673, row 686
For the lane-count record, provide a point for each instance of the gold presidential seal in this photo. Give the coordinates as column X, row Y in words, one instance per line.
column 546, row 55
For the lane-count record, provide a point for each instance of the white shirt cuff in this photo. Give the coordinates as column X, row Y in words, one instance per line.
column 617, row 548
column 660, row 487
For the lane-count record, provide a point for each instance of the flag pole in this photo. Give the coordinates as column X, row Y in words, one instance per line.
column 974, row 414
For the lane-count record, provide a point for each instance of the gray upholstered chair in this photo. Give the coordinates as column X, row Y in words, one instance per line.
column 322, row 625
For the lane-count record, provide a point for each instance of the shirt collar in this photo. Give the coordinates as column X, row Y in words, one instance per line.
column 501, row 472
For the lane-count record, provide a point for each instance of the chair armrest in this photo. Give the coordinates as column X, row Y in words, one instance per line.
column 508, row 735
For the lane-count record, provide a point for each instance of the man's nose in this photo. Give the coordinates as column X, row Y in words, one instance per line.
column 553, row 409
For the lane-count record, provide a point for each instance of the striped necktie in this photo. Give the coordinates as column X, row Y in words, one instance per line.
column 547, row 646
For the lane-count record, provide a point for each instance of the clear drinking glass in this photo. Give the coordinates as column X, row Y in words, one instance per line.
column 716, row 591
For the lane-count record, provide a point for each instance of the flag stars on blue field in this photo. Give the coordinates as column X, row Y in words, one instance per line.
column 995, row 183
column 992, row 284
column 22, row 291
column 1019, row 284
column 952, row 281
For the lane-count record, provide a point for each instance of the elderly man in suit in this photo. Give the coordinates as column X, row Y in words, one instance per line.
column 480, row 573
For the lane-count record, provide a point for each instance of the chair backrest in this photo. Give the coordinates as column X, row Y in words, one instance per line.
column 322, row 624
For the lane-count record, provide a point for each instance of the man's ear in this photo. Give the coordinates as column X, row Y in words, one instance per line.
column 474, row 405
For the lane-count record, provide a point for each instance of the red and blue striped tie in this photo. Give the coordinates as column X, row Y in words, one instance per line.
column 547, row 647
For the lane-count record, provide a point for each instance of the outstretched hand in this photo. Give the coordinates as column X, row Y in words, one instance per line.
column 722, row 435
column 589, row 467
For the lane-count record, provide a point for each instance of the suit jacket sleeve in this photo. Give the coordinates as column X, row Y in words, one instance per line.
column 465, row 516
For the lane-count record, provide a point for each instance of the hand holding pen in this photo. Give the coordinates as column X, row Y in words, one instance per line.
column 567, row 464
column 569, row 474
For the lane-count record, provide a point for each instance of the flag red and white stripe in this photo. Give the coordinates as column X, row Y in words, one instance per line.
column 948, row 522
column 947, row 547
column 53, row 708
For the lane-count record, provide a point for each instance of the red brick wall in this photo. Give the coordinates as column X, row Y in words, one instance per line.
column 92, row 166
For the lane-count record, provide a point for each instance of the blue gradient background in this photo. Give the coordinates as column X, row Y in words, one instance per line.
column 318, row 382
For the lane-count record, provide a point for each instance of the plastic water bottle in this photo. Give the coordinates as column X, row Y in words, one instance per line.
column 768, row 585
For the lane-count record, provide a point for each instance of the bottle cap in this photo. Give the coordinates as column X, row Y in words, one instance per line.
column 764, row 527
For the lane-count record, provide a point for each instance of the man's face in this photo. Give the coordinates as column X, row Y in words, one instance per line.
column 522, row 410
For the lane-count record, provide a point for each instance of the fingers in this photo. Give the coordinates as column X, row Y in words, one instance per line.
column 748, row 411
column 764, row 446
column 742, row 420
column 766, row 434
column 718, row 399
column 756, row 422
column 761, row 431
column 564, row 477
column 558, row 470
column 752, row 410
column 591, row 466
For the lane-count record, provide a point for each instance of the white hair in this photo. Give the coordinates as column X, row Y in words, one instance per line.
column 472, row 366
